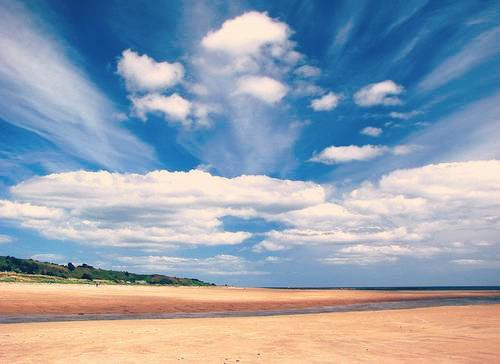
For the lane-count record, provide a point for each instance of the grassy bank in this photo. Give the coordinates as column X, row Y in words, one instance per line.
column 29, row 270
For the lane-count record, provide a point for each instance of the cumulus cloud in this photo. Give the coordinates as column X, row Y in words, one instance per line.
column 142, row 73
column 309, row 236
column 263, row 88
column 404, row 115
column 326, row 102
column 202, row 113
column 381, row 93
column 371, row 131
column 335, row 155
column 145, row 78
column 174, row 108
column 307, row 71
column 222, row 264
column 343, row 154
column 445, row 208
column 246, row 34
column 156, row 210
column 268, row 246
column 363, row 254
column 246, row 78
column 12, row 210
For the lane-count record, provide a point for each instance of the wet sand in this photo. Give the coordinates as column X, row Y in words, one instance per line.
column 33, row 299
column 438, row 334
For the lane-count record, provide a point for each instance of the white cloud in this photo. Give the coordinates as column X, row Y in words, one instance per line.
column 156, row 210
column 404, row 115
column 174, row 107
column 364, row 254
column 261, row 87
column 142, row 73
column 422, row 124
column 119, row 116
column 357, row 260
column 477, row 263
column 241, row 78
column 450, row 208
column 326, row 102
column 42, row 90
column 268, row 246
column 343, row 34
column 198, row 89
column 12, row 210
column 371, row 131
column 447, row 208
column 303, row 88
column 246, row 34
column 335, row 155
column 445, row 181
column 381, row 93
column 479, row 126
column 274, row 259
column 404, row 149
column 222, row 264
column 478, row 50
column 307, row 71
column 202, row 113
column 5, row 239
column 303, row 235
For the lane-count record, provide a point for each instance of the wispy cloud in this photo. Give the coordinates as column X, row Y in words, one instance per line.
column 247, row 77
column 222, row 264
column 5, row 239
column 404, row 115
column 43, row 91
column 478, row 50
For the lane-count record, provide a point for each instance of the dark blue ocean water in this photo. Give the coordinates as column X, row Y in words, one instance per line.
column 405, row 288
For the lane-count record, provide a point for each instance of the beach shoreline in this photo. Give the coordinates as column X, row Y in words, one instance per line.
column 56, row 299
column 442, row 334
column 468, row 333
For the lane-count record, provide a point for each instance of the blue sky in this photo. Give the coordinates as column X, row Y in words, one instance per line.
column 302, row 143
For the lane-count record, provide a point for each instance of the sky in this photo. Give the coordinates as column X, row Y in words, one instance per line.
column 283, row 143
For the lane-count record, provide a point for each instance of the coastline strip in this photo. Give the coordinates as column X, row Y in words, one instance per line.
column 356, row 307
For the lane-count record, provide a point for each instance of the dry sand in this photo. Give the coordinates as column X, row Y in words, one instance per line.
column 24, row 298
column 439, row 334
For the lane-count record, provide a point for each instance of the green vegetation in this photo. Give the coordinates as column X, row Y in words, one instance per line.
column 24, row 269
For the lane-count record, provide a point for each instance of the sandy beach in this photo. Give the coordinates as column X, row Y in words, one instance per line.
column 20, row 299
column 441, row 334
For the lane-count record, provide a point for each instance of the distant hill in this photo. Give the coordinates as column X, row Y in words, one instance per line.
column 89, row 273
